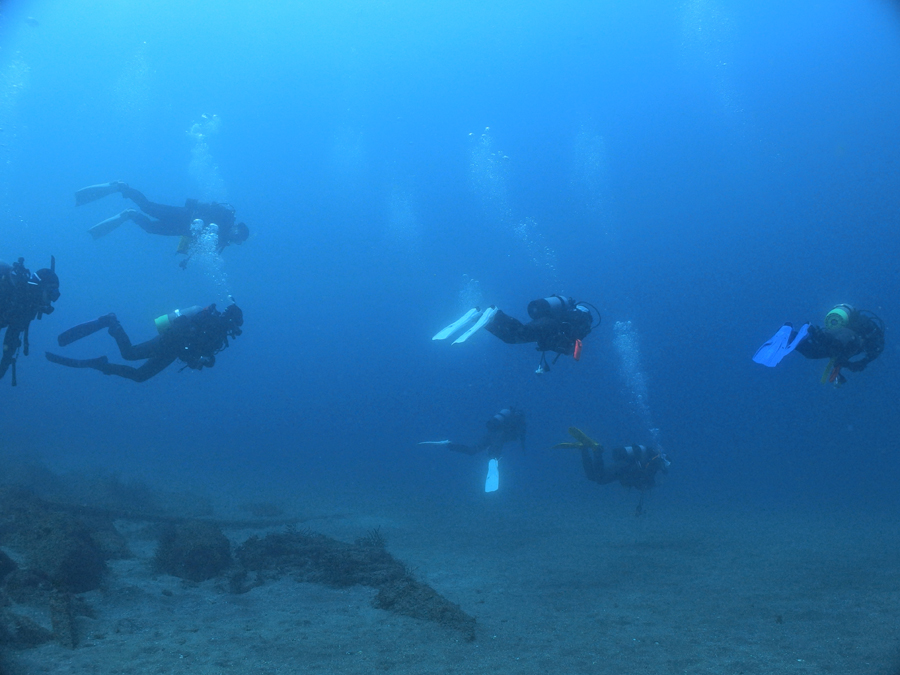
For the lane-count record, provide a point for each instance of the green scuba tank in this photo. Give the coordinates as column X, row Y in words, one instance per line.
column 166, row 321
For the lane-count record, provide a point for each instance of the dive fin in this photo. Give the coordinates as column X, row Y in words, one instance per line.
column 83, row 330
column 456, row 325
column 97, row 363
column 780, row 345
column 583, row 439
column 106, row 226
column 492, row 482
column 481, row 323
column 831, row 372
column 92, row 193
column 455, row 447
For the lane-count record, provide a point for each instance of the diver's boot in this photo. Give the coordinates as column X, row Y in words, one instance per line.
column 98, row 363
column 105, row 227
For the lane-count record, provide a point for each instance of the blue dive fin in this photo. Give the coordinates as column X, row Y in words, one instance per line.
column 780, row 345
column 492, row 482
column 456, row 325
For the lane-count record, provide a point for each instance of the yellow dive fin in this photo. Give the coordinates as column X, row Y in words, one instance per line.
column 826, row 375
column 582, row 437
column 584, row 441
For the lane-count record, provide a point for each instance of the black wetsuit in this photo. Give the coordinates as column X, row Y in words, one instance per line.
column 505, row 427
column 633, row 465
column 863, row 335
column 21, row 301
column 556, row 324
column 195, row 340
column 175, row 221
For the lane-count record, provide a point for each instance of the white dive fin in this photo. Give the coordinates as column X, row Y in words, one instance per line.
column 481, row 323
column 492, row 482
column 456, row 325
column 447, row 442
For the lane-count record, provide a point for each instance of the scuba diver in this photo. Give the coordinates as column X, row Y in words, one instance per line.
column 194, row 336
column 23, row 297
column 507, row 426
column 633, row 465
column 848, row 333
column 172, row 221
column 557, row 324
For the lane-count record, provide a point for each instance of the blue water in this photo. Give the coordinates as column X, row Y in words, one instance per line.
column 705, row 170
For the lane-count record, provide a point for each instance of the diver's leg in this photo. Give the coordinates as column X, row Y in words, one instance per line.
column 587, row 461
column 142, row 219
column 464, row 449
column 170, row 221
column 11, row 343
column 151, row 226
column 815, row 345
column 595, row 466
column 510, row 330
column 152, row 367
column 130, row 352
column 136, row 196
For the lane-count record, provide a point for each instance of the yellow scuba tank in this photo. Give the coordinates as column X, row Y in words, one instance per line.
column 166, row 321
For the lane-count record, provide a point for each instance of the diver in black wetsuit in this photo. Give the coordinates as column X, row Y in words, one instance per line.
column 173, row 221
column 507, row 426
column 848, row 333
column 193, row 336
column 633, row 465
column 23, row 297
column 557, row 324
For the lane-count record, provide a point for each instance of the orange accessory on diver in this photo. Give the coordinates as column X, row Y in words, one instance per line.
column 577, row 353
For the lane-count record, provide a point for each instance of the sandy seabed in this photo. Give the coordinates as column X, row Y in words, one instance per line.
column 556, row 587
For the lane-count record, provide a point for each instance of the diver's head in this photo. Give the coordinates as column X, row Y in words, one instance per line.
column 838, row 317
column 46, row 284
column 234, row 319
column 240, row 233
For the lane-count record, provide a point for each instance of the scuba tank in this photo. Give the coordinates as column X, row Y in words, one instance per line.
column 555, row 306
column 166, row 321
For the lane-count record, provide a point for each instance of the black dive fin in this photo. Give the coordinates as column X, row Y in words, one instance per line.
column 82, row 331
column 92, row 193
column 97, row 363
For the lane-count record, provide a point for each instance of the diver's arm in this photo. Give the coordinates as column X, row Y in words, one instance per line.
column 871, row 353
